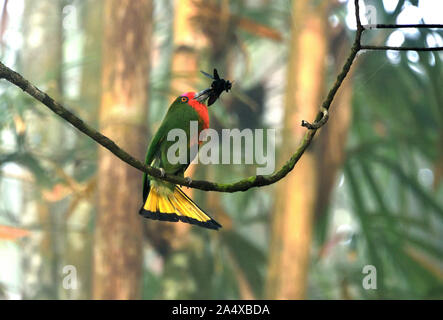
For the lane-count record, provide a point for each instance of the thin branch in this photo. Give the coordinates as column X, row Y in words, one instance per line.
column 385, row 48
column 18, row 80
column 400, row 26
column 357, row 15
column 241, row 185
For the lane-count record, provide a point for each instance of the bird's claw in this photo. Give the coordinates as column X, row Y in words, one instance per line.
column 162, row 172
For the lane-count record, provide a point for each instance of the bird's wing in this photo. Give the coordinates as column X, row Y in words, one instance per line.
column 153, row 150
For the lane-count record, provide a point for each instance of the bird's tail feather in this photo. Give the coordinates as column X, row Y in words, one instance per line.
column 175, row 206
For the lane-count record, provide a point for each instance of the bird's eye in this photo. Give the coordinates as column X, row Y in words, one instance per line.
column 184, row 99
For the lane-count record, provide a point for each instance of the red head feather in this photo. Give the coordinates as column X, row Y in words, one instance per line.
column 201, row 108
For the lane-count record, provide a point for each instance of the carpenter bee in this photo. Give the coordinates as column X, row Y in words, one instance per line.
column 217, row 86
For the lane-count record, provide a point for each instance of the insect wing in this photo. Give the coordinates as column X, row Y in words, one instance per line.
column 207, row 74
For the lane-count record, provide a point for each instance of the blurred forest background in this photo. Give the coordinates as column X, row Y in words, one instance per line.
column 368, row 192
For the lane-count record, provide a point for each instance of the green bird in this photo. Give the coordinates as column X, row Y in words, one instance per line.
column 164, row 200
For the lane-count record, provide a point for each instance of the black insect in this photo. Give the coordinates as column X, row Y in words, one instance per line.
column 217, row 86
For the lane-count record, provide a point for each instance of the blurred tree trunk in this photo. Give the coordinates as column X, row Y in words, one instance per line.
column 295, row 198
column 123, row 116
column 79, row 245
column 42, row 27
column 187, row 42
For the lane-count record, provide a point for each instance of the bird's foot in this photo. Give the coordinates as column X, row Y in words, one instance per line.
column 162, row 172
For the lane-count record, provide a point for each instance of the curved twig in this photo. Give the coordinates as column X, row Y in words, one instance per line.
column 317, row 124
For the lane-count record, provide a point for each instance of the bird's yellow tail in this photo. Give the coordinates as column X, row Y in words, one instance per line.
column 175, row 206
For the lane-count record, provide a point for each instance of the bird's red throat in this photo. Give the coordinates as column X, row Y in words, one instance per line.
column 199, row 107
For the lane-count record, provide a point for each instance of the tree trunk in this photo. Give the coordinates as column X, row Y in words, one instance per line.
column 295, row 198
column 187, row 42
column 123, row 116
